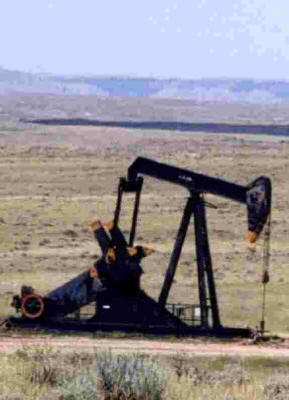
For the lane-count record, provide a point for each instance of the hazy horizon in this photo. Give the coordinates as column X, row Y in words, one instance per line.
column 138, row 76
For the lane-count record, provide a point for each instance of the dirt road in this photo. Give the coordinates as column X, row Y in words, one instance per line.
column 155, row 347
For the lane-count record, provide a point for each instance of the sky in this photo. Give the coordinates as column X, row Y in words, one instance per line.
column 147, row 38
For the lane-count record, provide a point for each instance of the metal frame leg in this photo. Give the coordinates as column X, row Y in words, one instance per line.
column 176, row 252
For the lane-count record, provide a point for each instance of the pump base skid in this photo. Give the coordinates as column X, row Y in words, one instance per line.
column 74, row 325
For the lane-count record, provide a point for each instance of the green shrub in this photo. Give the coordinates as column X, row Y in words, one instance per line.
column 81, row 387
column 117, row 377
column 131, row 376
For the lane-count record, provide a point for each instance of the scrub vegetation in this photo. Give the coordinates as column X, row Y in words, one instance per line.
column 39, row 372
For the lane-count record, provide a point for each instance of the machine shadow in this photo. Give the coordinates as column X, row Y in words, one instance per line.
column 278, row 130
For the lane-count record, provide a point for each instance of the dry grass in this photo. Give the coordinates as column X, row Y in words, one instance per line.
column 38, row 372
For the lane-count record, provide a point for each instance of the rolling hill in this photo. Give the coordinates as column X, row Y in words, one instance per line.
column 232, row 91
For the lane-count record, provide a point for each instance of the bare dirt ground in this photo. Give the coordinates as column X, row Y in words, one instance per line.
column 55, row 179
column 194, row 347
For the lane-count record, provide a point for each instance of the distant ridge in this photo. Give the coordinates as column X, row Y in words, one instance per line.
column 266, row 129
column 236, row 91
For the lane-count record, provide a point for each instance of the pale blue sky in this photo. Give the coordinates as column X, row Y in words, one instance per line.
column 164, row 38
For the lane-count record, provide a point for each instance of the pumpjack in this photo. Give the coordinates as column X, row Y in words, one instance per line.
column 113, row 283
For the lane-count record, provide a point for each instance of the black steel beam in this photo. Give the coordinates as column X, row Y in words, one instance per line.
column 205, row 269
column 189, row 179
column 176, row 252
column 135, row 212
column 118, row 203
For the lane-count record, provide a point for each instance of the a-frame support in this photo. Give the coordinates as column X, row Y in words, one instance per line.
column 206, row 284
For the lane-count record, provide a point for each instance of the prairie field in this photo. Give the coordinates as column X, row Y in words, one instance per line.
column 39, row 372
column 55, row 178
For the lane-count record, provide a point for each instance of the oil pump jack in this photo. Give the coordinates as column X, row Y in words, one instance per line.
column 113, row 283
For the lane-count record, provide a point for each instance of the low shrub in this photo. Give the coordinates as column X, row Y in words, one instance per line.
column 117, row 377
column 228, row 372
column 277, row 387
column 81, row 387
column 131, row 376
column 39, row 365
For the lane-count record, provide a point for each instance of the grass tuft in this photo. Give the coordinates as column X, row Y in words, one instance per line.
column 277, row 387
column 81, row 387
